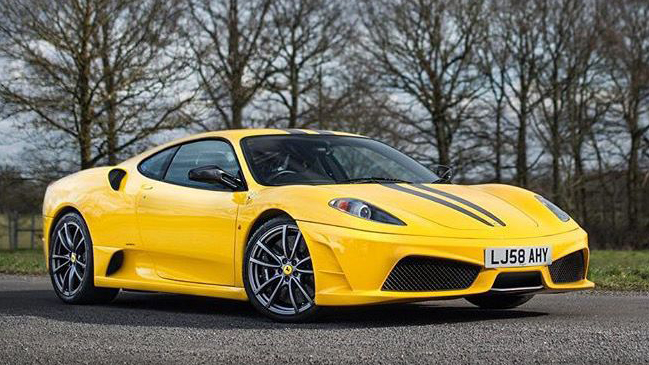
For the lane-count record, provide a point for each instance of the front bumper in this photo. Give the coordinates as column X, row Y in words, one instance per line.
column 352, row 265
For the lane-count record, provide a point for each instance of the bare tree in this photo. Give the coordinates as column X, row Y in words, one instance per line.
column 517, row 30
column 141, row 72
column 547, row 94
column 493, row 61
column 99, row 71
column 233, row 53
column 20, row 193
column 626, row 50
column 311, row 35
column 353, row 101
column 585, row 107
column 559, row 23
column 425, row 50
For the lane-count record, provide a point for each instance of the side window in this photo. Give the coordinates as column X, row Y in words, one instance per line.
column 154, row 167
column 199, row 154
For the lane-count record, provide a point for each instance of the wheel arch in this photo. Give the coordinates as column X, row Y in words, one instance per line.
column 250, row 227
column 57, row 217
column 264, row 217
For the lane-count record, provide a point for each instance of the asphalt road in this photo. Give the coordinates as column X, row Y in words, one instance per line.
column 35, row 327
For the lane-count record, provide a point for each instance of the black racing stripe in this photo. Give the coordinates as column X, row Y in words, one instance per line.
column 294, row 131
column 439, row 201
column 461, row 200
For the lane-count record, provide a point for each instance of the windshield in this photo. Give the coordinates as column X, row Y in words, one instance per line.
column 321, row 159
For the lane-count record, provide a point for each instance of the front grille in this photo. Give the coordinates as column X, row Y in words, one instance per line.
column 416, row 273
column 568, row 269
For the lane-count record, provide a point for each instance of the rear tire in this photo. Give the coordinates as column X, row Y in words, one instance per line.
column 278, row 274
column 71, row 265
column 487, row 301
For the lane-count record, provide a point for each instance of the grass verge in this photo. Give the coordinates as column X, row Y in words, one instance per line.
column 620, row 270
column 23, row 262
column 609, row 269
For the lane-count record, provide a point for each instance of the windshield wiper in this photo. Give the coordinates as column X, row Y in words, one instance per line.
column 373, row 179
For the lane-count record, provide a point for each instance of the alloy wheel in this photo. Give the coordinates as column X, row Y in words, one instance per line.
column 280, row 271
column 69, row 258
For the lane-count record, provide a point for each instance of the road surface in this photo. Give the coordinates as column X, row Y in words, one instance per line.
column 35, row 327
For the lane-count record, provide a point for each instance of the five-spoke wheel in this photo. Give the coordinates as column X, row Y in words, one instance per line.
column 278, row 272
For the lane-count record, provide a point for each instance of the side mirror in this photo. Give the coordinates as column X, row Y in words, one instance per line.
column 212, row 174
column 444, row 172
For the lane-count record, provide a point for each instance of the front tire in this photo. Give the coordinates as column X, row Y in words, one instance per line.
column 278, row 274
column 71, row 265
column 487, row 301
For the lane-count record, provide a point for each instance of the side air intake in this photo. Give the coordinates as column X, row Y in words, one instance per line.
column 115, row 177
column 417, row 273
column 115, row 263
column 568, row 269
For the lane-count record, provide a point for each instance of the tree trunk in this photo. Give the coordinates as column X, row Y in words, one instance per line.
column 84, row 148
column 521, row 148
column 443, row 143
column 236, row 65
column 555, row 144
column 498, row 147
column 632, row 179
column 84, row 98
column 295, row 94
column 237, row 111
column 110, row 129
column 85, row 119
column 111, row 137
column 580, row 198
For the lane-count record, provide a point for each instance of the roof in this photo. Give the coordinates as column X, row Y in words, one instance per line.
column 241, row 133
column 234, row 135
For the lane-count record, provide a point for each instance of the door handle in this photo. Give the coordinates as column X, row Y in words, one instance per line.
column 147, row 187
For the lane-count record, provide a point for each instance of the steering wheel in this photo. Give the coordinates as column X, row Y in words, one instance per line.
column 280, row 174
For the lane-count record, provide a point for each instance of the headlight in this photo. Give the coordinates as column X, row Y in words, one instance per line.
column 563, row 216
column 361, row 209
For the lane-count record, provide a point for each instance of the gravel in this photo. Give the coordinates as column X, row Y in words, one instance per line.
column 35, row 327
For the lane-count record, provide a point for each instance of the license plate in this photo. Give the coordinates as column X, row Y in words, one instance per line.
column 517, row 256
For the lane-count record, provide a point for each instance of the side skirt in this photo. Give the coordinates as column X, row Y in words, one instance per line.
column 216, row 291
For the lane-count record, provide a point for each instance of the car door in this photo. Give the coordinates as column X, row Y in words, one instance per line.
column 188, row 227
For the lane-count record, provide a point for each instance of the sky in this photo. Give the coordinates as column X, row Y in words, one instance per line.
column 10, row 144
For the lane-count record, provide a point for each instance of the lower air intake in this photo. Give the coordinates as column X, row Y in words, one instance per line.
column 416, row 273
column 568, row 269
column 513, row 280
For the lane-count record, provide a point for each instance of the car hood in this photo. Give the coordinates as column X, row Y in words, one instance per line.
column 442, row 210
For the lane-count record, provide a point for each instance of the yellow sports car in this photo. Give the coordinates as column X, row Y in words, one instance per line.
column 297, row 220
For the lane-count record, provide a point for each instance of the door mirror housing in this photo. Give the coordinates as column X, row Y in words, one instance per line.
column 444, row 172
column 213, row 174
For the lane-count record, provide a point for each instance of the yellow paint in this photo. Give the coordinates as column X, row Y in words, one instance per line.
column 184, row 240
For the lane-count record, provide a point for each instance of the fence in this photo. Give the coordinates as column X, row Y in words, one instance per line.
column 20, row 231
